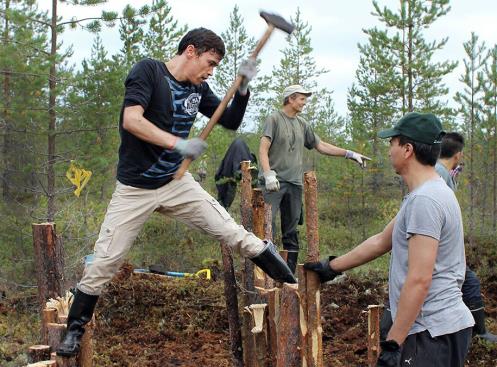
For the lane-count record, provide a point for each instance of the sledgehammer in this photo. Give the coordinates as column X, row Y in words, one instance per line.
column 273, row 21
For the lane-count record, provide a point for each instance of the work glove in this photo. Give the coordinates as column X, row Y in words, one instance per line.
column 390, row 354
column 248, row 69
column 272, row 183
column 323, row 268
column 191, row 148
column 359, row 158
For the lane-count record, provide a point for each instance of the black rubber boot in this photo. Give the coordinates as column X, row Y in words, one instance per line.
column 273, row 264
column 292, row 260
column 80, row 314
column 479, row 329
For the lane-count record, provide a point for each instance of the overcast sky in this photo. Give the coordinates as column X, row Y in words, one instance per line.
column 336, row 30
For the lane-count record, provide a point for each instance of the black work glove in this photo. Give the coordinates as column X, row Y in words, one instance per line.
column 325, row 272
column 390, row 354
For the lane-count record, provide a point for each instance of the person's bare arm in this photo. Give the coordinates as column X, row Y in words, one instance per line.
column 136, row 124
column 264, row 153
column 422, row 256
column 370, row 249
column 330, row 149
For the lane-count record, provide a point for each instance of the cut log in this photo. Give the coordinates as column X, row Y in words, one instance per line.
column 248, row 268
column 37, row 353
column 49, row 262
column 373, row 334
column 288, row 328
column 55, row 333
column 85, row 357
column 258, row 217
column 273, row 316
column 66, row 361
column 230, row 294
column 310, row 287
column 43, row 364
column 49, row 315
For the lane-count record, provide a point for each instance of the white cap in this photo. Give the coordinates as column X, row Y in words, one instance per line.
column 291, row 89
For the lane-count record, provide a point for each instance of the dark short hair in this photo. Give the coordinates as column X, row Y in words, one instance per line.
column 426, row 154
column 452, row 143
column 203, row 40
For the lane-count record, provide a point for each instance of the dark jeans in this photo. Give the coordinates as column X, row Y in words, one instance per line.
column 471, row 292
column 450, row 350
column 288, row 201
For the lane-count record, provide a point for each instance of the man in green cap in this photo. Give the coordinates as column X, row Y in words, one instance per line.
column 432, row 325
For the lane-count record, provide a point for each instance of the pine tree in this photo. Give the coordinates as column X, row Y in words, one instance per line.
column 420, row 79
column 490, row 108
column 373, row 100
column 163, row 34
column 470, row 107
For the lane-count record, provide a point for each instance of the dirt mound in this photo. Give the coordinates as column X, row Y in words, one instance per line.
column 148, row 320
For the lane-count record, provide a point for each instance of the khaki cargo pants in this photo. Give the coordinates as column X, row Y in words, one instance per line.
column 182, row 199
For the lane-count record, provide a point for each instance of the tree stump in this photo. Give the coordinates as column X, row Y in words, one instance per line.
column 55, row 333
column 66, row 361
column 37, row 353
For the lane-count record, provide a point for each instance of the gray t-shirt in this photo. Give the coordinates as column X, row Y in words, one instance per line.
column 432, row 210
column 289, row 136
column 444, row 173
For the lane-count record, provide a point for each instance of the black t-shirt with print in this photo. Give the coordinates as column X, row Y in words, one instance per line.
column 172, row 106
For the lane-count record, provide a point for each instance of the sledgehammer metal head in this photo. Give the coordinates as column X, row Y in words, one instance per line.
column 277, row 21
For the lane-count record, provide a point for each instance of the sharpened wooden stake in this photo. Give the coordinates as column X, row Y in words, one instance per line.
column 373, row 334
column 258, row 216
column 310, row 285
column 288, row 344
column 248, row 269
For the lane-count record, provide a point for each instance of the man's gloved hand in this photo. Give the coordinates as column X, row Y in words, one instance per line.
column 359, row 158
column 272, row 183
column 248, row 69
column 390, row 354
column 191, row 148
column 323, row 268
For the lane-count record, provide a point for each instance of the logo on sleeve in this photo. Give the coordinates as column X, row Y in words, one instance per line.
column 191, row 103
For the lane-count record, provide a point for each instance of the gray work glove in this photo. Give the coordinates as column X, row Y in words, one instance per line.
column 191, row 148
column 359, row 158
column 323, row 268
column 272, row 183
column 248, row 69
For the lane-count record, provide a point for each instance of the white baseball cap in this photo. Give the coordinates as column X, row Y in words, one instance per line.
column 291, row 89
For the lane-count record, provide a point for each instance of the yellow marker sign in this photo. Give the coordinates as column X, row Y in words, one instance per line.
column 79, row 177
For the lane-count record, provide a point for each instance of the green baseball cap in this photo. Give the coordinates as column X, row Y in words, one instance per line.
column 421, row 127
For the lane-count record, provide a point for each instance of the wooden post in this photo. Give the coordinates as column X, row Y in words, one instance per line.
column 49, row 315
column 66, row 362
column 258, row 216
column 268, row 234
column 56, row 333
column 230, row 293
column 309, row 284
column 248, row 269
column 37, row 353
column 49, row 262
column 373, row 334
column 85, row 356
column 288, row 344
column 273, row 318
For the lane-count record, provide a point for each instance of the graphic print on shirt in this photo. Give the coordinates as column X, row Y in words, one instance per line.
column 186, row 102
